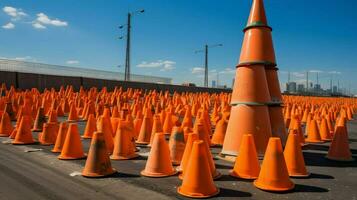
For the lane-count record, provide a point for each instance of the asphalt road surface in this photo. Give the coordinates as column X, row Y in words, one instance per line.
column 33, row 172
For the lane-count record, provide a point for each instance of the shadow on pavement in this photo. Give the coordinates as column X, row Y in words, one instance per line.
column 224, row 192
column 318, row 159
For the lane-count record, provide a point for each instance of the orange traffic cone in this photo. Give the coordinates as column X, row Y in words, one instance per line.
column 104, row 126
column 340, row 149
column 156, row 128
column 313, row 134
column 219, row 132
column 72, row 148
column 24, row 134
column 293, row 156
column 98, row 162
column 122, row 143
column 145, row 132
column 5, row 126
column 197, row 181
column 176, row 145
column 324, row 130
column 187, row 152
column 73, row 114
column 39, row 121
column 247, row 163
column 61, row 137
column 91, row 127
column 159, row 162
column 49, row 133
column 274, row 174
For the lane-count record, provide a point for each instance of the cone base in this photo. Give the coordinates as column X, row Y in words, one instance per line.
column 197, row 195
column 56, row 151
column 327, row 140
column 300, row 175
column 4, row 135
column 273, row 189
column 340, row 159
column 46, row 144
column 97, row 175
column 241, row 176
column 86, row 137
column 314, row 141
column 22, row 143
column 72, row 121
column 157, row 175
column 71, row 158
column 124, row 157
column 141, row 143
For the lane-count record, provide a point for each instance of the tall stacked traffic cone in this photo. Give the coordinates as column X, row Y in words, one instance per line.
column 39, row 121
column 24, row 134
column 91, row 127
column 256, row 88
column 123, row 143
column 98, row 162
column 197, row 181
column 274, row 174
column 339, row 148
column 61, row 137
column 187, row 152
column 5, row 125
column 247, row 164
column 49, row 133
column 72, row 148
column 176, row 145
column 293, row 156
column 159, row 162
column 313, row 134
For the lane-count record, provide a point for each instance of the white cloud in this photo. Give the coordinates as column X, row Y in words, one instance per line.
column 334, row 72
column 197, row 70
column 228, row 71
column 315, row 71
column 72, row 62
column 8, row 26
column 298, row 74
column 164, row 65
column 38, row 26
column 25, row 58
column 43, row 19
column 14, row 13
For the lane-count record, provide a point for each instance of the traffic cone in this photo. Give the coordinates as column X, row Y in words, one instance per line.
column 339, row 148
column 168, row 124
column 5, row 126
column 294, row 158
column 98, row 162
column 122, row 143
column 219, row 132
column 73, row 114
column 49, row 133
column 274, row 174
column 176, row 145
column 324, row 131
column 61, row 137
column 52, row 117
column 247, row 164
column 145, row 132
column 187, row 152
column 198, row 182
column 156, row 128
column 39, row 121
column 72, row 148
column 24, row 134
column 10, row 111
column 91, row 127
column 104, row 126
column 297, row 126
column 313, row 134
column 159, row 162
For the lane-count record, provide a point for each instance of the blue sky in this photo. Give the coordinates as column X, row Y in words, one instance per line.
column 317, row 35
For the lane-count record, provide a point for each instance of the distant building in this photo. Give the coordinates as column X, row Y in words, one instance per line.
column 291, row 87
column 334, row 89
column 300, row 88
column 214, row 84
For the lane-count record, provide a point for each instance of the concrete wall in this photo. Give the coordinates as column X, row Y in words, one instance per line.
column 42, row 81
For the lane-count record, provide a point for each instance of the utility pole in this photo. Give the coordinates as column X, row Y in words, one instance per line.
column 217, row 79
column 205, row 81
column 307, row 81
column 128, row 44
